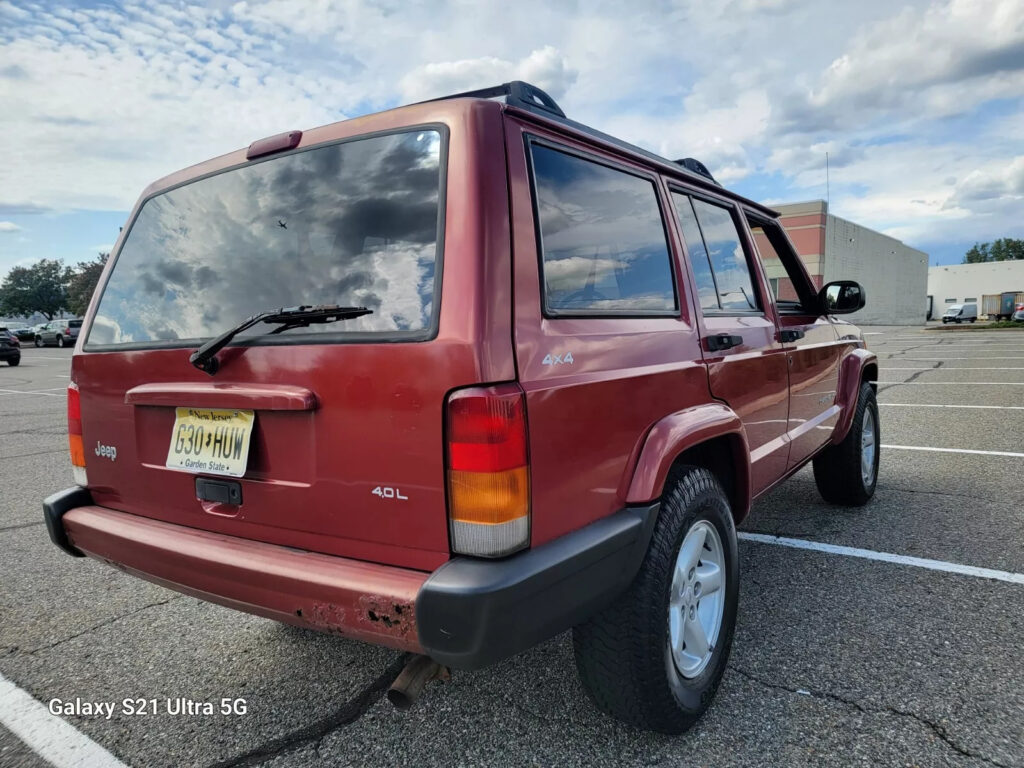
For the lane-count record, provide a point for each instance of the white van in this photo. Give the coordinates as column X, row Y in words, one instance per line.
column 961, row 313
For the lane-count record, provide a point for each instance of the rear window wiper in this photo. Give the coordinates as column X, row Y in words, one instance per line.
column 205, row 358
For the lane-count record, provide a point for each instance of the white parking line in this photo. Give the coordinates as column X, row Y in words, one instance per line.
column 943, row 359
column 959, row 383
column 962, row 368
column 50, row 737
column 928, row 405
column 34, row 356
column 953, row 450
column 885, row 557
column 42, row 392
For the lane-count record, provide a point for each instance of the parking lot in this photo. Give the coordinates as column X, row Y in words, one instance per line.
column 840, row 657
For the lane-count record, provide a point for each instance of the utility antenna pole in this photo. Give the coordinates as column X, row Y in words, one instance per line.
column 828, row 198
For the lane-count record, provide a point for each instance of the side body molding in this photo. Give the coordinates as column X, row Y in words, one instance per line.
column 851, row 373
column 681, row 431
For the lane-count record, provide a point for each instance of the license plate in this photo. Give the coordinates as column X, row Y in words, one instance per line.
column 211, row 441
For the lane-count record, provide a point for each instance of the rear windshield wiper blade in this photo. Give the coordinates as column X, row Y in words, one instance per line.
column 205, row 358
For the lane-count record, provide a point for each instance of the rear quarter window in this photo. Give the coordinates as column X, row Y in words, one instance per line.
column 602, row 239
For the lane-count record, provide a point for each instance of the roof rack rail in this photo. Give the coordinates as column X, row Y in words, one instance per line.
column 516, row 93
column 531, row 98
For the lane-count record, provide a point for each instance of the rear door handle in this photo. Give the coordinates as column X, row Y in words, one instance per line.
column 722, row 341
column 788, row 336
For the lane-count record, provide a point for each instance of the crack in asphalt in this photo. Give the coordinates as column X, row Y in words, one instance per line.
column 936, row 728
column 21, row 525
column 102, row 624
column 913, row 377
column 36, row 453
column 314, row 733
column 971, row 496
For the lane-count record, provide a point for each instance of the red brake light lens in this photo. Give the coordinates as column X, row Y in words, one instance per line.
column 488, row 473
column 75, row 443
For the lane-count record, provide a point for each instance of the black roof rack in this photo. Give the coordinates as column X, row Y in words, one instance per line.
column 516, row 93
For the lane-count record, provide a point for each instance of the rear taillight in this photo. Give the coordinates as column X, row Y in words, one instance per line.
column 67, row 331
column 488, row 471
column 75, row 435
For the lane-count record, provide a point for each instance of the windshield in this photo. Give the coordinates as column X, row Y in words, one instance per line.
column 954, row 308
column 353, row 224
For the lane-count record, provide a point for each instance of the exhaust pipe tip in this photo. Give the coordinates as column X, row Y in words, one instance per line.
column 410, row 682
column 400, row 699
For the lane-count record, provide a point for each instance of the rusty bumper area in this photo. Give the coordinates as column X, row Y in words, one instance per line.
column 365, row 601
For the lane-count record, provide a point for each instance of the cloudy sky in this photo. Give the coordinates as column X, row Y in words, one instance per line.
column 919, row 104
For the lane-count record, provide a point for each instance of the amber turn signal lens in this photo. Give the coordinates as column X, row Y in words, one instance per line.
column 489, row 498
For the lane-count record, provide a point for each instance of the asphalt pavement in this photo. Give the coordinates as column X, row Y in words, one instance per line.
column 838, row 659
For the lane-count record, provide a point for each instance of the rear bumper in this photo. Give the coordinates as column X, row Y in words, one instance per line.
column 6, row 353
column 467, row 614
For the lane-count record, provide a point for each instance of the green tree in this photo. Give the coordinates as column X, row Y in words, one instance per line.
column 38, row 288
column 82, row 284
column 976, row 254
column 1002, row 249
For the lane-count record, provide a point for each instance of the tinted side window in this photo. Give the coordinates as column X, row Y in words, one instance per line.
column 699, row 262
column 789, row 286
column 713, row 242
column 602, row 238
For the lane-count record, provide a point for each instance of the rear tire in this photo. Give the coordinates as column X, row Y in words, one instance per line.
column 847, row 473
column 13, row 361
column 60, row 340
column 625, row 655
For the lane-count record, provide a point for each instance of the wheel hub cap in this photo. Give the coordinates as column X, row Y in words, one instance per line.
column 868, row 447
column 697, row 601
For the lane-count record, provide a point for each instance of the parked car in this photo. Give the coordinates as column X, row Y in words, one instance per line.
column 24, row 334
column 10, row 347
column 1018, row 312
column 960, row 313
column 61, row 333
column 526, row 378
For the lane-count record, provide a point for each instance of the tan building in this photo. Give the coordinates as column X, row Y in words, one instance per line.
column 894, row 275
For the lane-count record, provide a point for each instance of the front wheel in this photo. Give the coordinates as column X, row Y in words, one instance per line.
column 846, row 473
column 655, row 657
column 39, row 341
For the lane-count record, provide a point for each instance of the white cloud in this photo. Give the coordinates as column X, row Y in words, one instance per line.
column 942, row 57
column 114, row 97
column 8, row 226
column 991, row 183
column 544, row 67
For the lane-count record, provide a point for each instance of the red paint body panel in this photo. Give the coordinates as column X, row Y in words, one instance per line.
column 364, row 601
column 588, row 421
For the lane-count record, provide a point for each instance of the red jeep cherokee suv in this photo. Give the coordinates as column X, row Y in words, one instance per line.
column 455, row 378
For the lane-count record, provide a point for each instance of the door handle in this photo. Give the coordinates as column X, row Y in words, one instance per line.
column 722, row 341
column 789, row 335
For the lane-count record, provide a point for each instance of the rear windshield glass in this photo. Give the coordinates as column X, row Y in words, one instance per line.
column 353, row 224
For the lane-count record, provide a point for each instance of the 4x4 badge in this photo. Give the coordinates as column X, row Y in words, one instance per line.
column 565, row 359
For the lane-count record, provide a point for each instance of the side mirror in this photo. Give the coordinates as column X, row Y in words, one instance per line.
column 841, row 297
